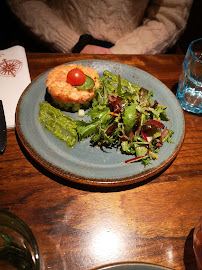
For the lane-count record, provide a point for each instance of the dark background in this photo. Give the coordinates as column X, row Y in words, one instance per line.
column 13, row 33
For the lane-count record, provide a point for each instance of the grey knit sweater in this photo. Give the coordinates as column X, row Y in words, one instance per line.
column 134, row 26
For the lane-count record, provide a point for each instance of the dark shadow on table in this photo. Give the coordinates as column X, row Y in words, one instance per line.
column 85, row 187
column 174, row 88
column 189, row 257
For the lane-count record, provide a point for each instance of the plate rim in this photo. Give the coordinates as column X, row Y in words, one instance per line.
column 87, row 180
column 130, row 263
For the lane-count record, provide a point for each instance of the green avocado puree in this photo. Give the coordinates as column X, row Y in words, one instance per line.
column 61, row 125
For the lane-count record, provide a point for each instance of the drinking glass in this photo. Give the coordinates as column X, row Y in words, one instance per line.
column 18, row 247
column 189, row 92
column 197, row 242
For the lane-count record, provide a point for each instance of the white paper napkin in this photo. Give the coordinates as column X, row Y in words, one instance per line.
column 14, row 78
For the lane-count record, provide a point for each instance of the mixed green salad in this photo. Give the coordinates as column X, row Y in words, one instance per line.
column 122, row 116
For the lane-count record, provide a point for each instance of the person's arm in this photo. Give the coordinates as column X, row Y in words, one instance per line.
column 41, row 20
column 163, row 24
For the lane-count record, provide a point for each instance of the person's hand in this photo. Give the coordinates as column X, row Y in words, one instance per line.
column 92, row 49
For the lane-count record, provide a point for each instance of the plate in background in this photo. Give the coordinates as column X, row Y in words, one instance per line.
column 132, row 266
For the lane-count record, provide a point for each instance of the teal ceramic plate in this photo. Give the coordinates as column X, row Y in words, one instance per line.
column 83, row 163
column 132, row 266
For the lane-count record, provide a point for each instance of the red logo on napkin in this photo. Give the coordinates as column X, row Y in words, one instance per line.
column 9, row 68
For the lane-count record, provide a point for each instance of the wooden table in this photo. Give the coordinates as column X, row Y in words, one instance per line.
column 82, row 227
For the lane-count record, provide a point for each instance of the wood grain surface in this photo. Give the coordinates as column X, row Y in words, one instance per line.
column 80, row 227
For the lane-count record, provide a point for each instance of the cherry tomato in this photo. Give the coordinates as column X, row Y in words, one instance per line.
column 76, row 77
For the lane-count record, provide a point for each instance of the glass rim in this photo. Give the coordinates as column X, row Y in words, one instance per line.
column 28, row 231
column 191, row 51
